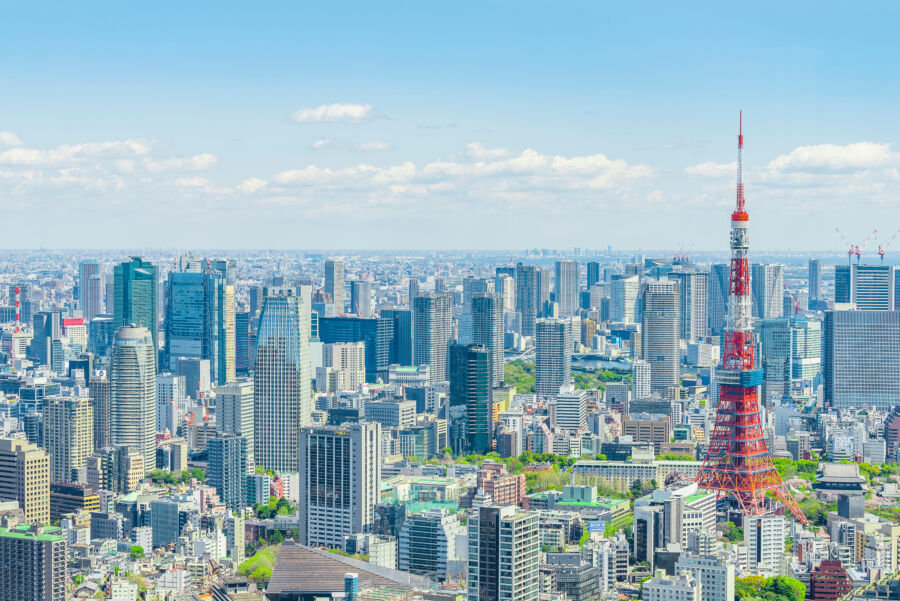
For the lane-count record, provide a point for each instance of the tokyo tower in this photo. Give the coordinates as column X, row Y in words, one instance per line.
column 738, row 462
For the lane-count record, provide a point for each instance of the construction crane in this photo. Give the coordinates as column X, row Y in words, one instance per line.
column 883, row 249
column 794, row 298
column 851, row 249
column 859, row 249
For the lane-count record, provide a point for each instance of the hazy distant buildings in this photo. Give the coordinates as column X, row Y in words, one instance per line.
column 361, row 298
column 566, row 290
column 334, row 282
column 717, row 295
column 767, row 289
column 623, row 298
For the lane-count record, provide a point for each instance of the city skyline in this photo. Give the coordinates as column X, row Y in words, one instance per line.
column 445, row 128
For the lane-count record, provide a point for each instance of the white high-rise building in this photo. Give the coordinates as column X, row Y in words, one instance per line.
column 234, row 413
column 132, row 378
column 68, row 434
column 623, row 298
column 505, row 286
column 281, row 380
column 171, row 401
column 340, row 481
column 716, row 575
column 571, row 409
column 693, row 303
column 567, row 287
column 348, row 357
column 90, row 284
column 640, row 379
column 682, row 587
column 764, row 538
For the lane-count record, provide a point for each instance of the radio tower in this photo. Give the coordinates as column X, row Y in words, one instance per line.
column 738, row 462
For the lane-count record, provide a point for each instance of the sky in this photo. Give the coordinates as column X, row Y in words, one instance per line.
column 446, row 125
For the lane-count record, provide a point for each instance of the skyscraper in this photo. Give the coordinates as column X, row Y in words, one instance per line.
column 553, row 356
column 242, row 349
column 132, row 378
column 25, row 477
column 659, row 334
column 487, row 330
column 402, row 343
column 32, row 563
column 717, row 294
column 340, row 481
column 431, row 332
column 806, row 349
column 861, row 359
column 90, row 285
column 532, row 291
column 470, row 385
column 135, row 296
column 623, row 299
column 234, row 413
column 571, row 409
column 334, row 282
column 593, row 274
column 504, row 554
column 767, row 287
column 100, row 398
column 171, row 399
column 376, row 333
column 870, row 287
column 200, row 321
column 815, row 279
column 692, row 303
column 567, row 287
column 361, row 298
column 68, row 435
column 228, row 468
column 281, row 379
column 774, row 336
column 640, row 379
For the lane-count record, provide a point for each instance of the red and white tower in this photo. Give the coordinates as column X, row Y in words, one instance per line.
column 738, row 462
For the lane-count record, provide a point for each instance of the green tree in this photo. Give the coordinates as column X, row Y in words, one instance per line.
column 198, row 474
column 788, row 588
column 637, row 487
column 136, row 551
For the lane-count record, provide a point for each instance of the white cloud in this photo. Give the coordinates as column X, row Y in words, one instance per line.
column 375, row 146
column 334, row 113
column 69, row 154
column 8, row 138
column 251, row 185
column 712, row 170
column 477, row 151
column 831, row 157
column 199, row 162
column 321, row 144
column 125, row 165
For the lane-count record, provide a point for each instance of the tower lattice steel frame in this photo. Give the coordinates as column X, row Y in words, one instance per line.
column 738, row 462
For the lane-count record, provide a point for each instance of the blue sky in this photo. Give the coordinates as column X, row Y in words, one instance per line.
column 445, row 125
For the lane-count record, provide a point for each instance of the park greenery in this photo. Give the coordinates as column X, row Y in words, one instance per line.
column 259, row 567
column 776, row 588
column 521, row 375
column 734, row 533
column 167, row 477
column 274, row 507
